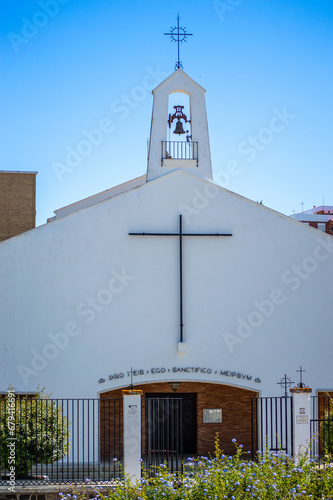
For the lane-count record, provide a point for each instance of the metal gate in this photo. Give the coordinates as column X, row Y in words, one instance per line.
column 162, row 431
column 321, row 429
column 272, row 425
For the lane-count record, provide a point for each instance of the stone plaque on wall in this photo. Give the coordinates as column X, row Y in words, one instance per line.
column 212, row 416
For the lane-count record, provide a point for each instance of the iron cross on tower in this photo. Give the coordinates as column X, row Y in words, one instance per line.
column 180, row 235
column 178, row 34
column 301, row 371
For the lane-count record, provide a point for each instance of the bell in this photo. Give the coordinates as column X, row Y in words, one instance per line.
column 179, row 128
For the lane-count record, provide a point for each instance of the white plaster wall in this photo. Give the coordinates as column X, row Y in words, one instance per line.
column 51, row 272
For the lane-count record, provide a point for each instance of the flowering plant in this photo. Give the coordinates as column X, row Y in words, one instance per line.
column 274, row 476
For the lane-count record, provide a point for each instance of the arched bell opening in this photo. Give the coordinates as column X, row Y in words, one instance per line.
column 179, row 144
column 179, row 117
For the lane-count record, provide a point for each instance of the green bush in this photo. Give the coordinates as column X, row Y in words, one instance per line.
column 326, row 430
column 35, row 428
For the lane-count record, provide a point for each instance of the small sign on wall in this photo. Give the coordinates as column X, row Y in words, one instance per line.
column 212, row 416
column 132, row 410
column 302, row 419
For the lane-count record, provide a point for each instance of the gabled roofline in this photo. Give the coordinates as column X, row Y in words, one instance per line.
column 178, row 71
column 174, row 173
column 98, row 197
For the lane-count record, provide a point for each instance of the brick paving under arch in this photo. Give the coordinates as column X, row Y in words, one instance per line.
column 236, row 412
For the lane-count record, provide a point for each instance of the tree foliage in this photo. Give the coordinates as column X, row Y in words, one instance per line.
column 326, row 433
column 33, row 430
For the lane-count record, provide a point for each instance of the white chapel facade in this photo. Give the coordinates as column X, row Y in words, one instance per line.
column 200, row 292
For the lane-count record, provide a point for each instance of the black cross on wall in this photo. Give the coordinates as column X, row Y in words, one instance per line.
column 180, row 235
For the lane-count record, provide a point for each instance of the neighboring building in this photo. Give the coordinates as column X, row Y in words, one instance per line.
column 319, row 217
column 17, row 203
column 193, row 286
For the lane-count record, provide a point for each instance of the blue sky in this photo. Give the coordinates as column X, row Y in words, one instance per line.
column 67, row 66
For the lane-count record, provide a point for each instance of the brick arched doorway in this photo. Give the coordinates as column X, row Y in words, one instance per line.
column 235, row 403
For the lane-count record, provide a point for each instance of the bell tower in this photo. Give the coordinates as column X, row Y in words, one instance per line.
column 179, row 137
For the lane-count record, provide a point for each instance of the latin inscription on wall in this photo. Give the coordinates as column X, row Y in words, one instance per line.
column 139, row 375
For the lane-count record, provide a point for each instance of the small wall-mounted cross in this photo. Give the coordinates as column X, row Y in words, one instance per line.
column 131, row 373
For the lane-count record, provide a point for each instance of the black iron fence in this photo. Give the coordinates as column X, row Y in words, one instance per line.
column 272, row 425
column 72, row 441
column 321, row 429
column 45, row 441
column 67, row 441
column 179, row 150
